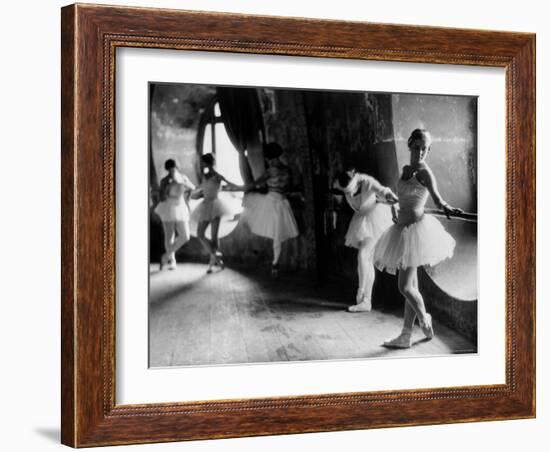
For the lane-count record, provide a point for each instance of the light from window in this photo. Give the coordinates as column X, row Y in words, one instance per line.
column 207, row 140
column 227, row 164
column 217, row 112
column 227, row 157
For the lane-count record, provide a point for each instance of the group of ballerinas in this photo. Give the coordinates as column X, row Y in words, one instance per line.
column 397, row 239
column 413, row 240
column 268, row 215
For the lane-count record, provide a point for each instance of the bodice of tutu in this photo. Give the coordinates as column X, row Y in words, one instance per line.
column 211, row 187
column 175, row 186
column 175, row 192
column 417, row 239
column 173, row 206
column 278, row 179
column 412, row 199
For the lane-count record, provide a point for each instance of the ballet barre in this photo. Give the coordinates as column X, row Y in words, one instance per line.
column 464, row 216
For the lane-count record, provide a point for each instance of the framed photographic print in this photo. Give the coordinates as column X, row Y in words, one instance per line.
column 281, row 225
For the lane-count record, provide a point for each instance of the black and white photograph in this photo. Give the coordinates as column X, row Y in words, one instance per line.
column 292, row 224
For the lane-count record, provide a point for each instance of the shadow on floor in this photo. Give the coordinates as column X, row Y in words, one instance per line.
column 242, row 315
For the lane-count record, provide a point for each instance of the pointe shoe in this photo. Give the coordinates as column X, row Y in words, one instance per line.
column 427, row 327
column 172, row 264
column 359, row 297
column 402, row 341
column 363, row 306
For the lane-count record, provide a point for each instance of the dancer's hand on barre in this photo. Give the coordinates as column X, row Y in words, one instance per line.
column 449, row 210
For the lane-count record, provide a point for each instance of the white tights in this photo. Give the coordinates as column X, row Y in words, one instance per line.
column 407, row 281
column 176, row 234
column 277, row 245
column 365, row 268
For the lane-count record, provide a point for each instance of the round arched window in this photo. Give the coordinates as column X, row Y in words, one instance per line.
column 214, row 139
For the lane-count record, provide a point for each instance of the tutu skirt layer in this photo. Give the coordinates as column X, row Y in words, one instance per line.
column 172, row 210
column 368, row 225
column 208, row 209
column 425, row 242
column 270, row 216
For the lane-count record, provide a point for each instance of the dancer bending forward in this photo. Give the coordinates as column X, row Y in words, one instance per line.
column 416, row 239
column 370, row 220
column 173, row 211
column 270, row 215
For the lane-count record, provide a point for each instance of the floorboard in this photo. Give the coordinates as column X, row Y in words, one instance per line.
column 243, row 315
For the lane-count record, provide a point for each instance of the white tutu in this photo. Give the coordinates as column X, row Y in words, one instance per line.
column 368, row 225
column 270, row 216
column 208, row 209
column 425, row 242
column 172, row 210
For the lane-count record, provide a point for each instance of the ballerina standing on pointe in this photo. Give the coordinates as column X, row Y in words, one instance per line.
column 211, row 209
column 370, row 220
column 173, row 211
column 416, row 239
column 270, row 215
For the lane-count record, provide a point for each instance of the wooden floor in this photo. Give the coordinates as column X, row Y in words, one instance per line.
column 245, row 316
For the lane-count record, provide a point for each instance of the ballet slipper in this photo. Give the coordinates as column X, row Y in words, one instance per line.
column 427, row 327
column 402, row 341
column 363, row 306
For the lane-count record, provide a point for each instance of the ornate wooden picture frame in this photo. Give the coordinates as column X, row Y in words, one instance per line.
column 90, row 37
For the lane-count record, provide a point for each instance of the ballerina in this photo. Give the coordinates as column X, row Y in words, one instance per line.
column 270, row 215
column 211, row 209
column 416, row 239
column 173, row 211
column 370, row 220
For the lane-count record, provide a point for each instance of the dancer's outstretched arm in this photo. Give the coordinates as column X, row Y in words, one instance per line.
column 230, row 184
column 187, row 184
column 427, row 178
column 380, row 190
